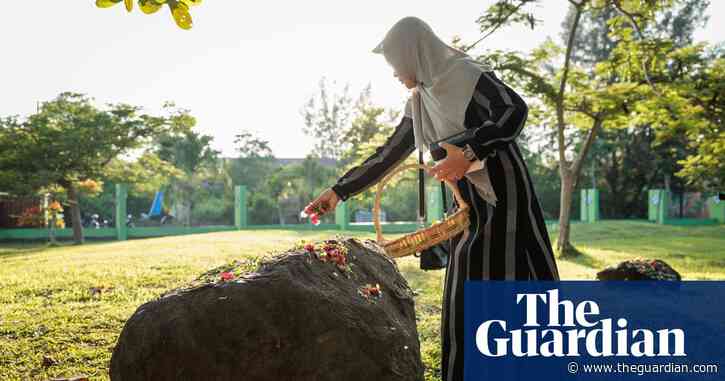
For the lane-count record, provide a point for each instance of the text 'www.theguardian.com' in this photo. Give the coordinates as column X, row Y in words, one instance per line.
column 641, row 369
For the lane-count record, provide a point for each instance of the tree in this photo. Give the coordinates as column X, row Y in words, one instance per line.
column 144, row 175
column 326, row 119
column 251, row 146
column 179, row 8
column 191, row 153
column 366, row 125
column 295, row 184
column 628, row 161
column 254, row 164
column 69, row 141
column 700, row 82
column 581, row 100
column 253, row 167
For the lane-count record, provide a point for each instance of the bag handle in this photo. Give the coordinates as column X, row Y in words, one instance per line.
column 421, row 191
column 386, row 179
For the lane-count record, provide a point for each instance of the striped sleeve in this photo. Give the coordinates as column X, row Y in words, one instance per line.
column 498, row 111
column 397, row 148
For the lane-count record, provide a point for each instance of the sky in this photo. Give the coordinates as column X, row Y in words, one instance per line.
column 244, row 65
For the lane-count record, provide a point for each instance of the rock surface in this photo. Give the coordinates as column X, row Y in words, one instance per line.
column 297, row 317
column 640, row 269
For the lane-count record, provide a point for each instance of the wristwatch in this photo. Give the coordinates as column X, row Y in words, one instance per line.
column 469, row 154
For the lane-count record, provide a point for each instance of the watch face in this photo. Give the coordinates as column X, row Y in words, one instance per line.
column 468, row 154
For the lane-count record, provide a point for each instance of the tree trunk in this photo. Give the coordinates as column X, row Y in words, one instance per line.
column 569, row 180
column 51, row 231
column 563, row 243
column 568, row 176
column 75, row 212
column 280, row 215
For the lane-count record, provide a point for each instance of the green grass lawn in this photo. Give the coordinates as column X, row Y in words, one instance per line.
column 47, row 307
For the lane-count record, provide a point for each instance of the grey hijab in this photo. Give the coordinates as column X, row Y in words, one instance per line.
column 446, row 77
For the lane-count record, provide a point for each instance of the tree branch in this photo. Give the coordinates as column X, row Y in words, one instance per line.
column 618, row 6
column 596, row 126
column 562, row 85
column 547, row 89
column 498, row 25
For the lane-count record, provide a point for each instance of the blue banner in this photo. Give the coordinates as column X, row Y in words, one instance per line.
column 594, row 330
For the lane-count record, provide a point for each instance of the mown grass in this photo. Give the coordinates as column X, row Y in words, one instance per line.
column 69, row 303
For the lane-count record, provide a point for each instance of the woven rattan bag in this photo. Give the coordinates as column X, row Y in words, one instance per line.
column 423, row 238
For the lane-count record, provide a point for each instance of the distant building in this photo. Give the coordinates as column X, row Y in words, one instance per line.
column 324, row 161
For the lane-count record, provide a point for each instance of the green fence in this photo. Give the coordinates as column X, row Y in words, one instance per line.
column 660, row 209
column 659, row 201
column 122, row 232
column 710, row 210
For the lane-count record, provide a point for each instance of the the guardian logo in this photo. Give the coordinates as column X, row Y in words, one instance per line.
column 579, row 330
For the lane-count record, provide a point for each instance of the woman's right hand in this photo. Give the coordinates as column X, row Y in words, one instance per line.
column 324, row 203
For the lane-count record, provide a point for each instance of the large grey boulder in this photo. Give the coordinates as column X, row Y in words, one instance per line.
column 298, row 317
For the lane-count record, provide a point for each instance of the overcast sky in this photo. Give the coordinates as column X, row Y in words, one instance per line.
column 244, row 65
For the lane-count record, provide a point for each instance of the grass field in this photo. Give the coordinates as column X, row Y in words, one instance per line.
column 69, row 303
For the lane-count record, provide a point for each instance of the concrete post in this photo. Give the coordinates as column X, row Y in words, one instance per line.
column 593, row 200
column 342, row 215
column 434, row 205
column 716, row 208
column 583, row 206
column 662, row 200
column 240, row 206
column 121, row 212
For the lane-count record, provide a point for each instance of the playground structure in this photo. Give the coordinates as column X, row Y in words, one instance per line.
column 709, row 209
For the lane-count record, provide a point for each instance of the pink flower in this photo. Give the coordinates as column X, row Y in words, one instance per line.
column 314, row 219
column 227, row 276
column 310, row 247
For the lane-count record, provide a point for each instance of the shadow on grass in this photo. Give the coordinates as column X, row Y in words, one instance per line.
column 29, row 248
column 583, row 259
column 15, row 250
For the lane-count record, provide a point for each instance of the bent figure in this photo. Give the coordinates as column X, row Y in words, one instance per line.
column 507, row 238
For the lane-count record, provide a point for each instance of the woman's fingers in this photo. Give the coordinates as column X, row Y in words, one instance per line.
column 451, row 176
column 323, row 206
column 324, row 203
column 315, row 205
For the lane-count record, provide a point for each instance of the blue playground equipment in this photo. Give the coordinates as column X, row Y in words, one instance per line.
column 156, row 209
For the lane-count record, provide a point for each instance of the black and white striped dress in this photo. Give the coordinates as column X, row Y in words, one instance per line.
column 508, row 241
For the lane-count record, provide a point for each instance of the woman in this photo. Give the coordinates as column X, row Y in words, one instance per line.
column 452, row 93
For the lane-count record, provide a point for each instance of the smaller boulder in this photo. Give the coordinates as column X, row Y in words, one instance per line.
column 640, row 269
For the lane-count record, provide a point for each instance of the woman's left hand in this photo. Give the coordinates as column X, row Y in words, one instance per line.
column 453, row 167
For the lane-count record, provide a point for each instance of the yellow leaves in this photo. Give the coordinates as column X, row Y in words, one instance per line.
column 179, row 8
column 149, row 6
column 106, row 3
column 90, row 186
column 55, row 207
column 180, row 12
